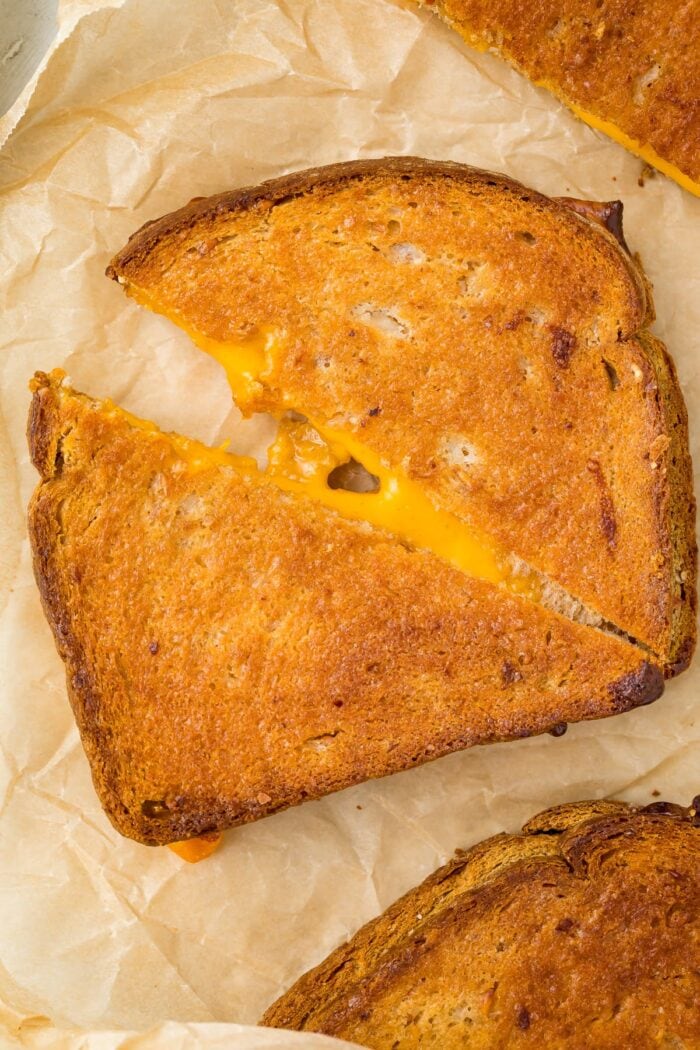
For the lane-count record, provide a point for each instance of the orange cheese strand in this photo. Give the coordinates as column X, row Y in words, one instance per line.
column 194, row 850
column 646, row 152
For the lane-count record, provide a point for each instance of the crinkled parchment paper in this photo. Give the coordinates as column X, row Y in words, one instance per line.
column 142, row 105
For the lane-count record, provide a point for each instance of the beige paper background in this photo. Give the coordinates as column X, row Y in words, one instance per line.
column 142, row 105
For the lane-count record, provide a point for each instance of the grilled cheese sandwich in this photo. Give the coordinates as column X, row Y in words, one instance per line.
column 476, row 431
column 234, row 647
column 453, row 331
column 629, row 72
column 538, row 937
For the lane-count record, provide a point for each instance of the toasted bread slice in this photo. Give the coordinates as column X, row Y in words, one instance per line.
column 630, row 70
column 487, row 342
column 234, row 648
column 582, row 932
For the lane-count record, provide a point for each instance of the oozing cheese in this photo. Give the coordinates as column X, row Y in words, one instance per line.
column 303, row 456
column 301, row 459
column 194, row 850
column 646, row 152
column 246, row 363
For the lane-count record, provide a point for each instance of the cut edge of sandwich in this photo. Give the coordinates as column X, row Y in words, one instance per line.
column 397, row 507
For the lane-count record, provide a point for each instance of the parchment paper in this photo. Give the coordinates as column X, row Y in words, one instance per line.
column 142, row 105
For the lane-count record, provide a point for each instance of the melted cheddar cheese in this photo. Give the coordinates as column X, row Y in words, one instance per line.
column 643, row 150
column 646, row 152
column 194, row 850
column 246, row 364
column 303, row 455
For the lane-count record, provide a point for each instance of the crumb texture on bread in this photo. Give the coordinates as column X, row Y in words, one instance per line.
column 233, row 649
column 582, row 932
column 633, row 68
column 490, row 342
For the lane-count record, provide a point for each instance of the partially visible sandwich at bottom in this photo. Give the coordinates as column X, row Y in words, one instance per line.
column 234, row 646
column 581, row 932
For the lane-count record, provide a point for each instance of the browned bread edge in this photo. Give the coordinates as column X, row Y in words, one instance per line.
column 678, row 503
column 275, row 191
column 44, row 436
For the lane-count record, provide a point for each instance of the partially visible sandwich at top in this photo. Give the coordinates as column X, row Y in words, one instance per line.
column 480, row 344
column 630, row 70
column 583, row 932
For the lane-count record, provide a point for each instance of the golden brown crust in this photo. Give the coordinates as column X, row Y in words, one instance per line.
column 546, row 301
column 137, row 252
column 583, row 931
column 634, row 66
column 232, row 650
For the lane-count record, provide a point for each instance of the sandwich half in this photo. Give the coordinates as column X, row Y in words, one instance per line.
column 629, row 70
column 581, row 932
column 235, row 646
column 484, row 346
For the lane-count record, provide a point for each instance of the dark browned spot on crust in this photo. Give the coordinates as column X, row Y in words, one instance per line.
column 563, row 345
column 608, row 521
column 683, row 658
column 637, row 688
column 564, row 925
column 514, row 323
column 522, row 1018
column 510, row 673
column 613, row 222
column 671, row 809
column 559, row 729
column 606, row 213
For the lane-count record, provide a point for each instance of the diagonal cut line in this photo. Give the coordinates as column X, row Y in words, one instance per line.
column 400, row 507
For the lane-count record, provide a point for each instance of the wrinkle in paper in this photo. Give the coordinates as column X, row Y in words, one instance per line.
column 141, row 106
